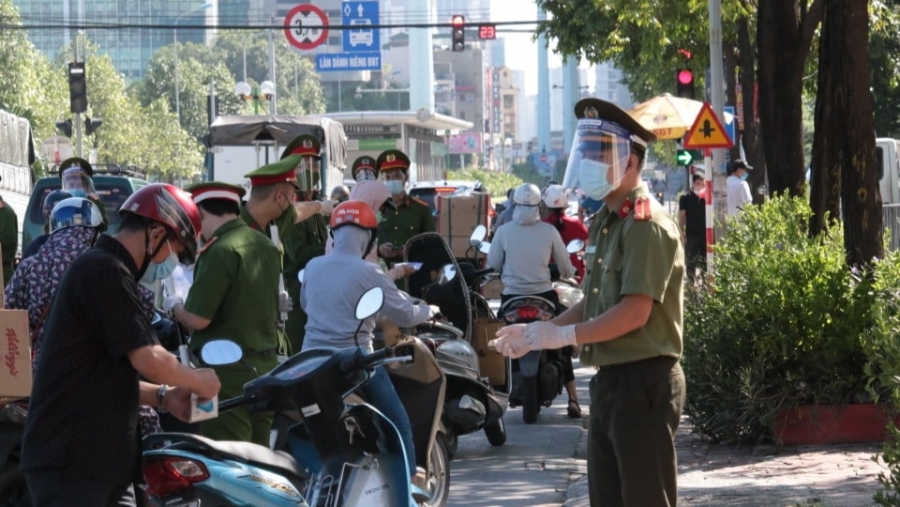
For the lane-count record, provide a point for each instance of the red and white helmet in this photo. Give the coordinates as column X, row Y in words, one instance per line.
column 555, row 197
column 172, row 207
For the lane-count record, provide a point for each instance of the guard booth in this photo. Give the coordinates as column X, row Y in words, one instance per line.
column 240, row 144
column 422, row 136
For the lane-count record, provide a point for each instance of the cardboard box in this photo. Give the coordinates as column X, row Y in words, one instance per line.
column 202, row 411
column 458, row 215
column 492, row 289
column 492, row 363
column 15, row 354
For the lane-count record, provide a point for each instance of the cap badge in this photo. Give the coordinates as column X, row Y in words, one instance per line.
column 390, row 157
column 591, row 112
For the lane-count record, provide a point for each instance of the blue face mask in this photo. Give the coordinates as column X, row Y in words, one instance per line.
column 77, row 192
column 593, row 181
column 744, row 177
column 162, row 270
column 395, row 186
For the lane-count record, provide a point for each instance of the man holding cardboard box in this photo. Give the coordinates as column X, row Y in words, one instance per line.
column 81, row 443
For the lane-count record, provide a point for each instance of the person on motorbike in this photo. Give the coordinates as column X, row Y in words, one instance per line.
column 331, row 287
column 81, row 443
column 50, row 201
column 570, row 228
column 75, row 223
column 520, row 251
column 375, row 194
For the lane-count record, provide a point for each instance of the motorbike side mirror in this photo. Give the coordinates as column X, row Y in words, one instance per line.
column 448, row 272
column 300, row 275
column 478, row 236
column 369, row 303
column 484, row 247
column 575, row 246
column 221, row 352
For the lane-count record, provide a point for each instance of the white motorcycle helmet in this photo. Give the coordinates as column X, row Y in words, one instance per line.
column 555, row 197
column 528, row 194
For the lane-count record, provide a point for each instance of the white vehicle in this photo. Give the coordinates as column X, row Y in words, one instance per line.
column 361, row 36
column 888, row 162
column 16, row 156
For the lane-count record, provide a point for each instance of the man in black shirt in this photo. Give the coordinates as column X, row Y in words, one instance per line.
column 692, row 219
column 81, row 444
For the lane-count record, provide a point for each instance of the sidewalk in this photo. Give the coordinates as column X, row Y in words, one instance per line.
column 723, row 475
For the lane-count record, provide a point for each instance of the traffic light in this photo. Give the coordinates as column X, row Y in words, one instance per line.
column 65, row 127
column 458, row 33
column 77, row 87
column 91, row 125
column 685, row 79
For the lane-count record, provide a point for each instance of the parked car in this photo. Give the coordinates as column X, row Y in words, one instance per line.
column 113, row 183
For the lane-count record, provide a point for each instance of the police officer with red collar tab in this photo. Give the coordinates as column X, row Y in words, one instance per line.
column 404, row 216
column 630, row 320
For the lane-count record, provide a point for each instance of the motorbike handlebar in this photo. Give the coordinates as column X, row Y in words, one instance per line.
column 482, row 272
column 231, row 403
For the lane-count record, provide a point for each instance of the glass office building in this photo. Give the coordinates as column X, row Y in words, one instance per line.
column 128, row 44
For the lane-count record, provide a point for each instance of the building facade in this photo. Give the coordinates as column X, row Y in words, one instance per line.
column 128, row 45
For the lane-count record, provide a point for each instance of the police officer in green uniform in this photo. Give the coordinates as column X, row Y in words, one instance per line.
column 304, row 240
column 403, row 216
column 363, row 169
column 9, row 239
column 630, row 319
column 76, row 177
column 235, row 266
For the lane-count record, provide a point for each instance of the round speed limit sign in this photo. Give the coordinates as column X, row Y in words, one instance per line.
column 303, row 27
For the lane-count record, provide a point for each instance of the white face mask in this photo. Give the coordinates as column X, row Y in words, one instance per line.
column 592, row 178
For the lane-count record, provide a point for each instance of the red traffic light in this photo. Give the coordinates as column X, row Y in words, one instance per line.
column 685, row 76
column 457, row 21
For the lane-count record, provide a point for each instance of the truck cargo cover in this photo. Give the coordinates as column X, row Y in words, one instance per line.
column 244, row 130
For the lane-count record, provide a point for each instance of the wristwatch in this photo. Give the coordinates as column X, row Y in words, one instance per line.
column 160, row 398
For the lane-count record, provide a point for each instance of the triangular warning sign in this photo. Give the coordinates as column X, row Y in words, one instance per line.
column 707, row 131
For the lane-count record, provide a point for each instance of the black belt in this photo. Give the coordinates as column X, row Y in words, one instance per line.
column 619, row 366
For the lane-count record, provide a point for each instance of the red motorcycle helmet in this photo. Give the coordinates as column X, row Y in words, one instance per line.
column 355, row 213
column 172, row 207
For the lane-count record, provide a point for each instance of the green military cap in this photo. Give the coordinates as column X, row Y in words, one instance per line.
column 76, row 162
column 592, row 108
column 392, row 160
column 215, row 190
column 276, row 172
column 304, row 144
column 363, row 163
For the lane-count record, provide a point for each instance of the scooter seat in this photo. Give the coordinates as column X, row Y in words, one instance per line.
column 254, row 454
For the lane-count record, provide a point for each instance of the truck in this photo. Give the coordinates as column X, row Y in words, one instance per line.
column 887, row 159
column 240, row 144
column 17, row 154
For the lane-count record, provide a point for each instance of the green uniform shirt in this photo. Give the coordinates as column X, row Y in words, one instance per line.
column 236, row 288
column 402, row 222
column 628, row 256
column 9, row 238
column 302, row 242
column 283, row 222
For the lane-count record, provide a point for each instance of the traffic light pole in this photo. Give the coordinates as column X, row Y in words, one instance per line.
column 715, row 180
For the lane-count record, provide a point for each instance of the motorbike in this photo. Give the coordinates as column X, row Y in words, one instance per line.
column 13, row 489
column 344, row 452
column 476, row 397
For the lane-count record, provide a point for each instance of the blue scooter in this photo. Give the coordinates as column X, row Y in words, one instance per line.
column 343, row 453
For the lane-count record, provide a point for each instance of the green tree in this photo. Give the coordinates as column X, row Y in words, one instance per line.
column 884, row 50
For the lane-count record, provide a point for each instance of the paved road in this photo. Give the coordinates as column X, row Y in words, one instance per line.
column 532, row 469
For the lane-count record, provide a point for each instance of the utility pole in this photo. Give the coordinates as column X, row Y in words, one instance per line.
column 78, row 116
column 715, row 179
column 273, row 107
column 543, row 112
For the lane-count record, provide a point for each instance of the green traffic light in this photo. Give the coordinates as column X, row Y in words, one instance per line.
column 684, row 157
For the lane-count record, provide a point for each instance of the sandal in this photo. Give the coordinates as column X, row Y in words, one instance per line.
column 574, row 409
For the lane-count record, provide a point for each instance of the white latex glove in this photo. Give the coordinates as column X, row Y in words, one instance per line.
column 517, row 340
column 170, row 302
column 327, row 207
column 433, row 310
column 285, row 304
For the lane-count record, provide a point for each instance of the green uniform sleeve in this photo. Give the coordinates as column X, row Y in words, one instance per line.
column 649, row 256
column 212, row 279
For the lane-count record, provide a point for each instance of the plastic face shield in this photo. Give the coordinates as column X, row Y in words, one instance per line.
column 309, row 174
column 598, row 157
column 76, row 182
column 366, row 174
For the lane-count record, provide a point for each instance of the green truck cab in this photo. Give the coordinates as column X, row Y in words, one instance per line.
column 113, row 183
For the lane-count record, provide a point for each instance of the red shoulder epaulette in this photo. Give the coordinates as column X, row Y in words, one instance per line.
column 642, row 209
column 206, row 246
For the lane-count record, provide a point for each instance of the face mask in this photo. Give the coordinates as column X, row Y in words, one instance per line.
column 379, row 216
column 592, row 175
column 77, row 192
column 395, row 186
column 744, row 177
column 162, row 270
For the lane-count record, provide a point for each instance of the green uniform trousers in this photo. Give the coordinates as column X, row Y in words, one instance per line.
column 635, row 410
column 239, row 423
